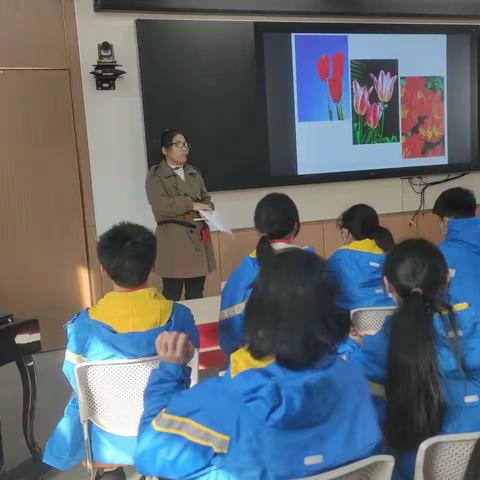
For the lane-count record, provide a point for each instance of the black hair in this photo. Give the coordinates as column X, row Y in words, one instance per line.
column 276, row 217
column 456, row 202
column 127, row 253
column 362, row 222
column 168, row 135
column 473, row 468
column 418, row 272
column 291, row 312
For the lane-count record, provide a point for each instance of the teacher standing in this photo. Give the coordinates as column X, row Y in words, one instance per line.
column 176, row 192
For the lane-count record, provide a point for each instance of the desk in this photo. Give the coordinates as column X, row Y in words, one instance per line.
column 19, row 340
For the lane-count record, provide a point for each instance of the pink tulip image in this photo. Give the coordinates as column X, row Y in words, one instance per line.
column 374, row 113
column 384, row 85
column 361, row 98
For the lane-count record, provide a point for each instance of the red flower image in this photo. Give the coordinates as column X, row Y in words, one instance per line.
column 335, row 88
column 338, row 62
column 323, row 67
column 374, row 112
column 422, row 117
column 412, row 146
column 361, row 98
column 334, row 80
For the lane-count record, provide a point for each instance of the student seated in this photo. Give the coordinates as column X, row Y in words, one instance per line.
column 276, row 219
column 287, row 406
column 456, row 208
column 122, row 325
column 427, row 355
column 357, row 265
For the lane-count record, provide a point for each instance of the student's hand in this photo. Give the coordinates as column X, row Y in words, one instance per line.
column 174, row 347
column 356, row 336
column 201, row 206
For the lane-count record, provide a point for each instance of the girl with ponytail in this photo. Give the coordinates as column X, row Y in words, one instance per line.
column 276, row 220
column 357, row 265
column 427, row 355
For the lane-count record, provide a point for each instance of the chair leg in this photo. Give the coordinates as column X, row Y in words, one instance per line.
column 28, row 374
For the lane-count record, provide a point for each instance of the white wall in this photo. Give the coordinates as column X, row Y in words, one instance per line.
column 117, row 143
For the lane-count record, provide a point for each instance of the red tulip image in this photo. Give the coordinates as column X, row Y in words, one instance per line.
column 323, row 67
column 361, row 98
column 335, row 88
column 412, row 146
column 374, row 112
column 384, row 85
column 337, row 62
column 423, row 117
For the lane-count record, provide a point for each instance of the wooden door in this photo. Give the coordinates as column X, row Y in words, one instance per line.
column 43, row 260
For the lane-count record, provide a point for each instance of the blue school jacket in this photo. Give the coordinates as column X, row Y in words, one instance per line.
column 91, row 340
column 258, row 421
column 461, row 395
column 357, row 270
column 461, row 249
column 234, row 298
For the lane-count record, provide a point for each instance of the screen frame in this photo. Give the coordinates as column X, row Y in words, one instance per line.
column 261, row 28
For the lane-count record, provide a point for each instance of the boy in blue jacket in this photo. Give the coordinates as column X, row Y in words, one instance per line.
column 287, row 406
column 122, row 325
column 456, row 208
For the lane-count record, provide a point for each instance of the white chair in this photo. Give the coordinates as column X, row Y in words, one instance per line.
column 378, row 467
column 445, row 457
column 118, row 413
column 370, row 320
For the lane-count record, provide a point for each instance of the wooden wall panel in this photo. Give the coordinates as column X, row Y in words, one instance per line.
column 331, row 237
column 311, row 235
column 398, row 224
column 42, row 235
column 429, row 227
column 32, row 34
column 232, row 250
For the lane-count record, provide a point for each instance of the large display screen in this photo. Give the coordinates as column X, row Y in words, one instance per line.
column 277, row 103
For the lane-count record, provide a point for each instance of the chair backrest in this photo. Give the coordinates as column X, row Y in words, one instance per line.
column 445, row 457
column 110, row 393
column 378, row 467
column 370, row 320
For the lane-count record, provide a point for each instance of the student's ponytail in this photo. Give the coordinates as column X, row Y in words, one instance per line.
column 265, row 251
column 362, row 222
column 414, row 398
column 276, row 217
column 383, row 238
column 417, row 272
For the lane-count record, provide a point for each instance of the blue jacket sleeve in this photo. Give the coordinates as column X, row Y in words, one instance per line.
column 372, row 355
column 232, row 309
column 183, row 322
column 163, row 450
column 78, row 339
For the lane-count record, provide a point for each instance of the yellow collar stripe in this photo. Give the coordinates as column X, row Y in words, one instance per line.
column 366, row 246
column 458, row 307
column 242, row 360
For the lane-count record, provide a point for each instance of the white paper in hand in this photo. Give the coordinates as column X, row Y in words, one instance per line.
column 215, row 221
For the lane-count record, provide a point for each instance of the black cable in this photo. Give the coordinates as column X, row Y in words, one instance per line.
column 424, row 186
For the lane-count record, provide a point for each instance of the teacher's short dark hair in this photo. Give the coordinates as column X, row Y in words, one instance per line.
column 291, row 312
column 127, row 253
column 168, row 135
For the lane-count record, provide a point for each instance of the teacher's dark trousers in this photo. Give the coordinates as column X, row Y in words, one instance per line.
column 173, row 287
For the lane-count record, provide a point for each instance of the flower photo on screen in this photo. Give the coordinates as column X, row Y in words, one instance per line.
column 375, row 116
column 423, row 116
column 321, row 65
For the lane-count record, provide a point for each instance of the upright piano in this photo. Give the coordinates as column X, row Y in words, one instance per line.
column 19, row 340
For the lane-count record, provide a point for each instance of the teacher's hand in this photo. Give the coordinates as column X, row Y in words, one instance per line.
column 201, row 206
